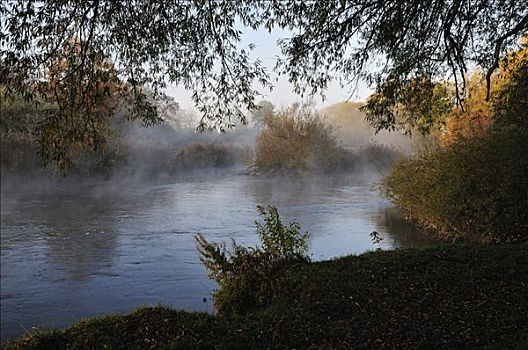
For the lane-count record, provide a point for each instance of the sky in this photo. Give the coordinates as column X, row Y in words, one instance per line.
column 267, row 51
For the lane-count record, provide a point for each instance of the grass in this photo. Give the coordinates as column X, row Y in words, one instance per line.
column 471, row 297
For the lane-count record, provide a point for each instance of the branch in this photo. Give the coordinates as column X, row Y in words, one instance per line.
column 498, row 43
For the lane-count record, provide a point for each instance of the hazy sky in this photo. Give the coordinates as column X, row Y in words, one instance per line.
column 267, row 51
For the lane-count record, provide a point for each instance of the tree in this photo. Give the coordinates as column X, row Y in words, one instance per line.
column 510, row 101
column 477, row 115
column 297, row 139
column 475, row 187
column 74, row 107
column 417, row 104
column 264, row 109
column 191, row 43
column 194, row 43
column 395, row 44
column 424, row 105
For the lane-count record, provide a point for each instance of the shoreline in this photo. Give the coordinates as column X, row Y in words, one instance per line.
column 450, row 296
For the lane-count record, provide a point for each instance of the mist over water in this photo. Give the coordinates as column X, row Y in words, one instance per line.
column 97, row 242
column 73, row 251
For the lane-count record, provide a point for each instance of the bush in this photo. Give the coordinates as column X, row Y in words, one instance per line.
column 19, row 153
column 202, row 155
column 510, row 102
column 377, row 156
column 101, row 163
column 18, row 146
column 18, row 115
column 248, row 277
column 296, row 140
column 475, row 189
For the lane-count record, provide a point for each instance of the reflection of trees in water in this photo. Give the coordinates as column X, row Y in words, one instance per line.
column 276, row 190
column 78, row 226
column 261, row 191
column 83, row 228
column 81, row 237
column 403, row 232
column 294, row 190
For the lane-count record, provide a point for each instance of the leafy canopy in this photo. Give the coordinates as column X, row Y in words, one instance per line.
column 196, row 44
column 474, row 188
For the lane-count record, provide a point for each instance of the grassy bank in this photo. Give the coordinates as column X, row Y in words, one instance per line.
column 437, row 298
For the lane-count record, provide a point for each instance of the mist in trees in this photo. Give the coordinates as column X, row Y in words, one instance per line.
column 96, row 49
column 444, row 73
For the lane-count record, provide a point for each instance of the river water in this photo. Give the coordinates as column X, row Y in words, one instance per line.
column 74, row 250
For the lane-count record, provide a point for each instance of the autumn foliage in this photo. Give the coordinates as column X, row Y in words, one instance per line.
column 477, row 114
column 296, row 140
column 475, row 186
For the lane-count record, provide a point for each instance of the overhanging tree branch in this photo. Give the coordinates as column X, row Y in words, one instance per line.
column 521, row 26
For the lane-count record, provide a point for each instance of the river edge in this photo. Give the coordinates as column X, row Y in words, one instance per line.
column 458, row 296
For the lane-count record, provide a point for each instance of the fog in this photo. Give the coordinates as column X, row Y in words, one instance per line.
column 116, row 231
column 175, row 147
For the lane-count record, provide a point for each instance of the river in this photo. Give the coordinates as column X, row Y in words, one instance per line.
column 74, row 250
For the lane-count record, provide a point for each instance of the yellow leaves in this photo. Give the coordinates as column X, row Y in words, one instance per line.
column 477, row 114
column 474, row 118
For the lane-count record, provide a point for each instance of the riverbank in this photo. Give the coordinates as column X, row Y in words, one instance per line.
column 443, row 298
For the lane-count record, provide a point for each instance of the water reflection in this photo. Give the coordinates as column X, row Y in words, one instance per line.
column 402, row 232
column 70, row 251
column 78, row 229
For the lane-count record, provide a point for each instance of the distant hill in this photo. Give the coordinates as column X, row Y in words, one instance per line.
column 354, row 131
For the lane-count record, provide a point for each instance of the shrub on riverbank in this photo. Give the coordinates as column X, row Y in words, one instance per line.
column 299, row 140
column 377, row 156
column 476, row 186
column 475, row 189
column 124, row 154
column 465, row 297
column 18, row 153
column 19, row 156
column 18, row 146
column 129, row 149
column 247, row 277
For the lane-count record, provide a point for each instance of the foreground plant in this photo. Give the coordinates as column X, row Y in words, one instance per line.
column 248, row 276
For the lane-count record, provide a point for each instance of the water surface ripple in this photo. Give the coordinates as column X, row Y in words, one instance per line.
column 73, row 252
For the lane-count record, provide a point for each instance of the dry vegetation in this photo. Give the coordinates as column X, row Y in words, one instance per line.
column 297, row 140
column 203, row 155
